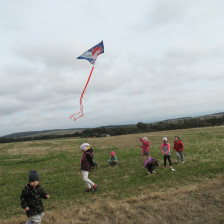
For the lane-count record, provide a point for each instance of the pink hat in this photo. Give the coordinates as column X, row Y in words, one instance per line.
column 112, row 153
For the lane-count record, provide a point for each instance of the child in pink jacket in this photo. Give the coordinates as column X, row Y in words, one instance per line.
column 165, row 148
column 145, row 148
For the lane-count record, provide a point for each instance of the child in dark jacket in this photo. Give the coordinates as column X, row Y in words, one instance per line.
column 150, row 164
column 31, row 199
column 179, row 146
column 87, row 165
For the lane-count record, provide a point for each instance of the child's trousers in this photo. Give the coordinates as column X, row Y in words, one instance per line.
column 85, row 178
column 112, row 163
column 35, row 219
column 180, row 154
column 150, row 167
column 165, row 158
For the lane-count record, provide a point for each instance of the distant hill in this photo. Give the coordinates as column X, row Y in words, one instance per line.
column 44, row 133
column 73, row 130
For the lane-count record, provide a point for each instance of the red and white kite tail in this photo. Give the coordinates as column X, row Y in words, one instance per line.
column 81, row 105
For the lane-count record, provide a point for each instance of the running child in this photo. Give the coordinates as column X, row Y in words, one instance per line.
column 113, row 159
column 145, row 148
column 31, row 199
column 87, row 165
column 150, row 164
column 165, row 148
column 179, row 146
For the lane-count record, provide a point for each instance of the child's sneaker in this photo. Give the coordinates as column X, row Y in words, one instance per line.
column 89, row 190
column 95, row 187
column 183, row 162
column 150, row 173
column 153, row 171
column 176, row 161
column 173, row 169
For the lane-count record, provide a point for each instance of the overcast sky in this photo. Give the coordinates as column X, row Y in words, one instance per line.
column 163, row 59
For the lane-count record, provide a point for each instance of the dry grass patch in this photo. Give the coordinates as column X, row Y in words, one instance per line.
column 196, row 203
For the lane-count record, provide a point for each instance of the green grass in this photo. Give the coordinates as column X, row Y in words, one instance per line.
column 58, row 164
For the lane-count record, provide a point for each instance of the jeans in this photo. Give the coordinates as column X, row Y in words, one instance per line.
column 180, row 154
column 165, row 158
column 35, row 219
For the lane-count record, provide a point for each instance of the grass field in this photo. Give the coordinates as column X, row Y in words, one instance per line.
column 127, row 194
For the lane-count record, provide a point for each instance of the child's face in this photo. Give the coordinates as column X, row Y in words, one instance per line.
column 176, row 139
column 34, row 183
column 164, row 141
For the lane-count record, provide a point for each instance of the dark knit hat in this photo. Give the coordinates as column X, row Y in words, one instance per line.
column 33, row 176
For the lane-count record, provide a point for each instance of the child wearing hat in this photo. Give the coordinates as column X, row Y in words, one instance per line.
column 87, row 165
column 150, row 164
column 31, row 199
column 145, row 148
column 113, row 159
column 165, row 148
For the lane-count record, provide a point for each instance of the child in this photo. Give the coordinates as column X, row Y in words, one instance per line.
column 113, row 159
column 150, row 164
column 145, row 148
column 178, row 146
column 87, row 165
column 165, row 148
column 31, row 199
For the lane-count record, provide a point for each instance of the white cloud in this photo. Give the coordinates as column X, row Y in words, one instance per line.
column 162, row 59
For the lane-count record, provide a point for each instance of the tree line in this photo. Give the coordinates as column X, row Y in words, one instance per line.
column 140, row 127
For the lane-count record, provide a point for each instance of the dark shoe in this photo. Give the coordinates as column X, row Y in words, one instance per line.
column 89, row 190
column 95, row 187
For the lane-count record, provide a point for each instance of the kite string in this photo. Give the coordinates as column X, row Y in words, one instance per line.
column 81, row 105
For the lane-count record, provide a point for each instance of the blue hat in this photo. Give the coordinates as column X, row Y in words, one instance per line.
column 33, row 176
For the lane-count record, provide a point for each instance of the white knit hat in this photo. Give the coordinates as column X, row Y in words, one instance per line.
column 165, row 139
column 84, row 146
column 145, row 138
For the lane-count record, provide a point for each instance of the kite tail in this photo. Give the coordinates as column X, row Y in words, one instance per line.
column 74, row 116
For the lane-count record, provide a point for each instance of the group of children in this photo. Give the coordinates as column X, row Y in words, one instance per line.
column 33, row 193
column 150, row 163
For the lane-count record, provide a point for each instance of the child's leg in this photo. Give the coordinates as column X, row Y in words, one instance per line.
column 182, row 156
column 169, row 160
column 165, row 160
column 36, row 219
column 178, row 155
column 85, row 178
column 149, row 167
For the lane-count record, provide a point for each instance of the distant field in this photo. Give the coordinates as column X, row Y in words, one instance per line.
column 192, row 194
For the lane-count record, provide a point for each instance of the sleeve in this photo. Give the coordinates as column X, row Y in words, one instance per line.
column 174, row 145
column 115, row 158
column 90, row 159
column 162, row 149
column 181, row 145
column 24, row 199
column 42, row 193
column 110, row 160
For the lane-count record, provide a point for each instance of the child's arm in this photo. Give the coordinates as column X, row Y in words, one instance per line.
column 43, row 195
column 24, row 200
column 162, row 149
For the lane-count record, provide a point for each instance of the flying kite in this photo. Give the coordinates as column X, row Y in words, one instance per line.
column 90, row 55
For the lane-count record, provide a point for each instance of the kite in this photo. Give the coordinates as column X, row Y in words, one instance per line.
column 91, row 56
